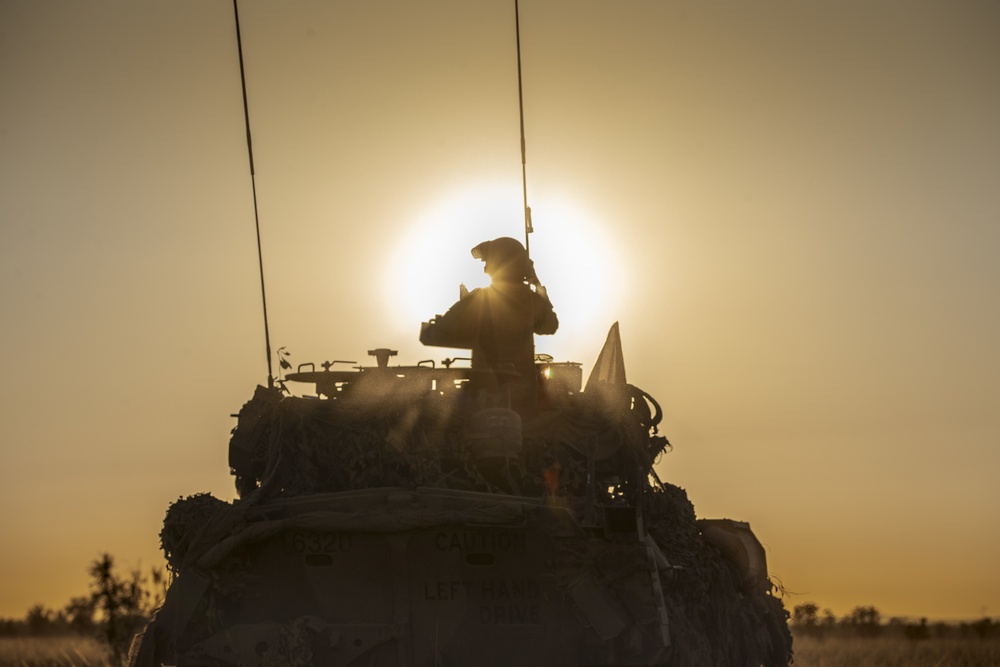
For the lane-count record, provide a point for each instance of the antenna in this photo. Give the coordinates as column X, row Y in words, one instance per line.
column 528, row 229
column 253, row 186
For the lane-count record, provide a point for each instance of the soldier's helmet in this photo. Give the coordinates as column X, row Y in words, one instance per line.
column 505, row 258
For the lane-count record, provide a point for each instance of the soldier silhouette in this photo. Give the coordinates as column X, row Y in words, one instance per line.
column 498, row 323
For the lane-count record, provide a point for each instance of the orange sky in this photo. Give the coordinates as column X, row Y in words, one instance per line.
column 792, row 209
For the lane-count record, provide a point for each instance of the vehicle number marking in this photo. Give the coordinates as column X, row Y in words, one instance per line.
column 314, row 542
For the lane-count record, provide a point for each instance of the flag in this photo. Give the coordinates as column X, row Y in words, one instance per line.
column 610, row 365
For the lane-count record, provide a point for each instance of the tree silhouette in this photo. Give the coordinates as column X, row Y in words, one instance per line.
column 805, row 617
column 39, row 620
column 123, row 603
column 79, row 614
column 865, row 620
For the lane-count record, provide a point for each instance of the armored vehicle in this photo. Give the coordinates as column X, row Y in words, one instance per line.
column 496, row 513
column 407, row 515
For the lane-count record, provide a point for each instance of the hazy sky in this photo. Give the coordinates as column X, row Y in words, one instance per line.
column 792, row 208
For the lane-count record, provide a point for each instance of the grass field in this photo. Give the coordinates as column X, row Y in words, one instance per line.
column 53, row 652
column 809, row 652
column 896, row 652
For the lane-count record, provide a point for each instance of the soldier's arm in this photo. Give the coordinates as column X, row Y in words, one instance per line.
column 546, row 321
column 455, row 328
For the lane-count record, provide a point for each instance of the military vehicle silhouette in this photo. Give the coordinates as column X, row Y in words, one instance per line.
column 398, row 516
column 489, row 511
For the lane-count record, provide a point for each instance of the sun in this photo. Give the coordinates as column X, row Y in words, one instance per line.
column 575, row 257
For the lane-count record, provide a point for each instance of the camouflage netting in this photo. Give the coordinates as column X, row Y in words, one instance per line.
column 715, row 618
column 184, row 523
column 293, row 446
column 287, row 447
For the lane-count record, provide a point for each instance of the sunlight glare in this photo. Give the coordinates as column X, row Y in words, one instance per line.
column 574, row 258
